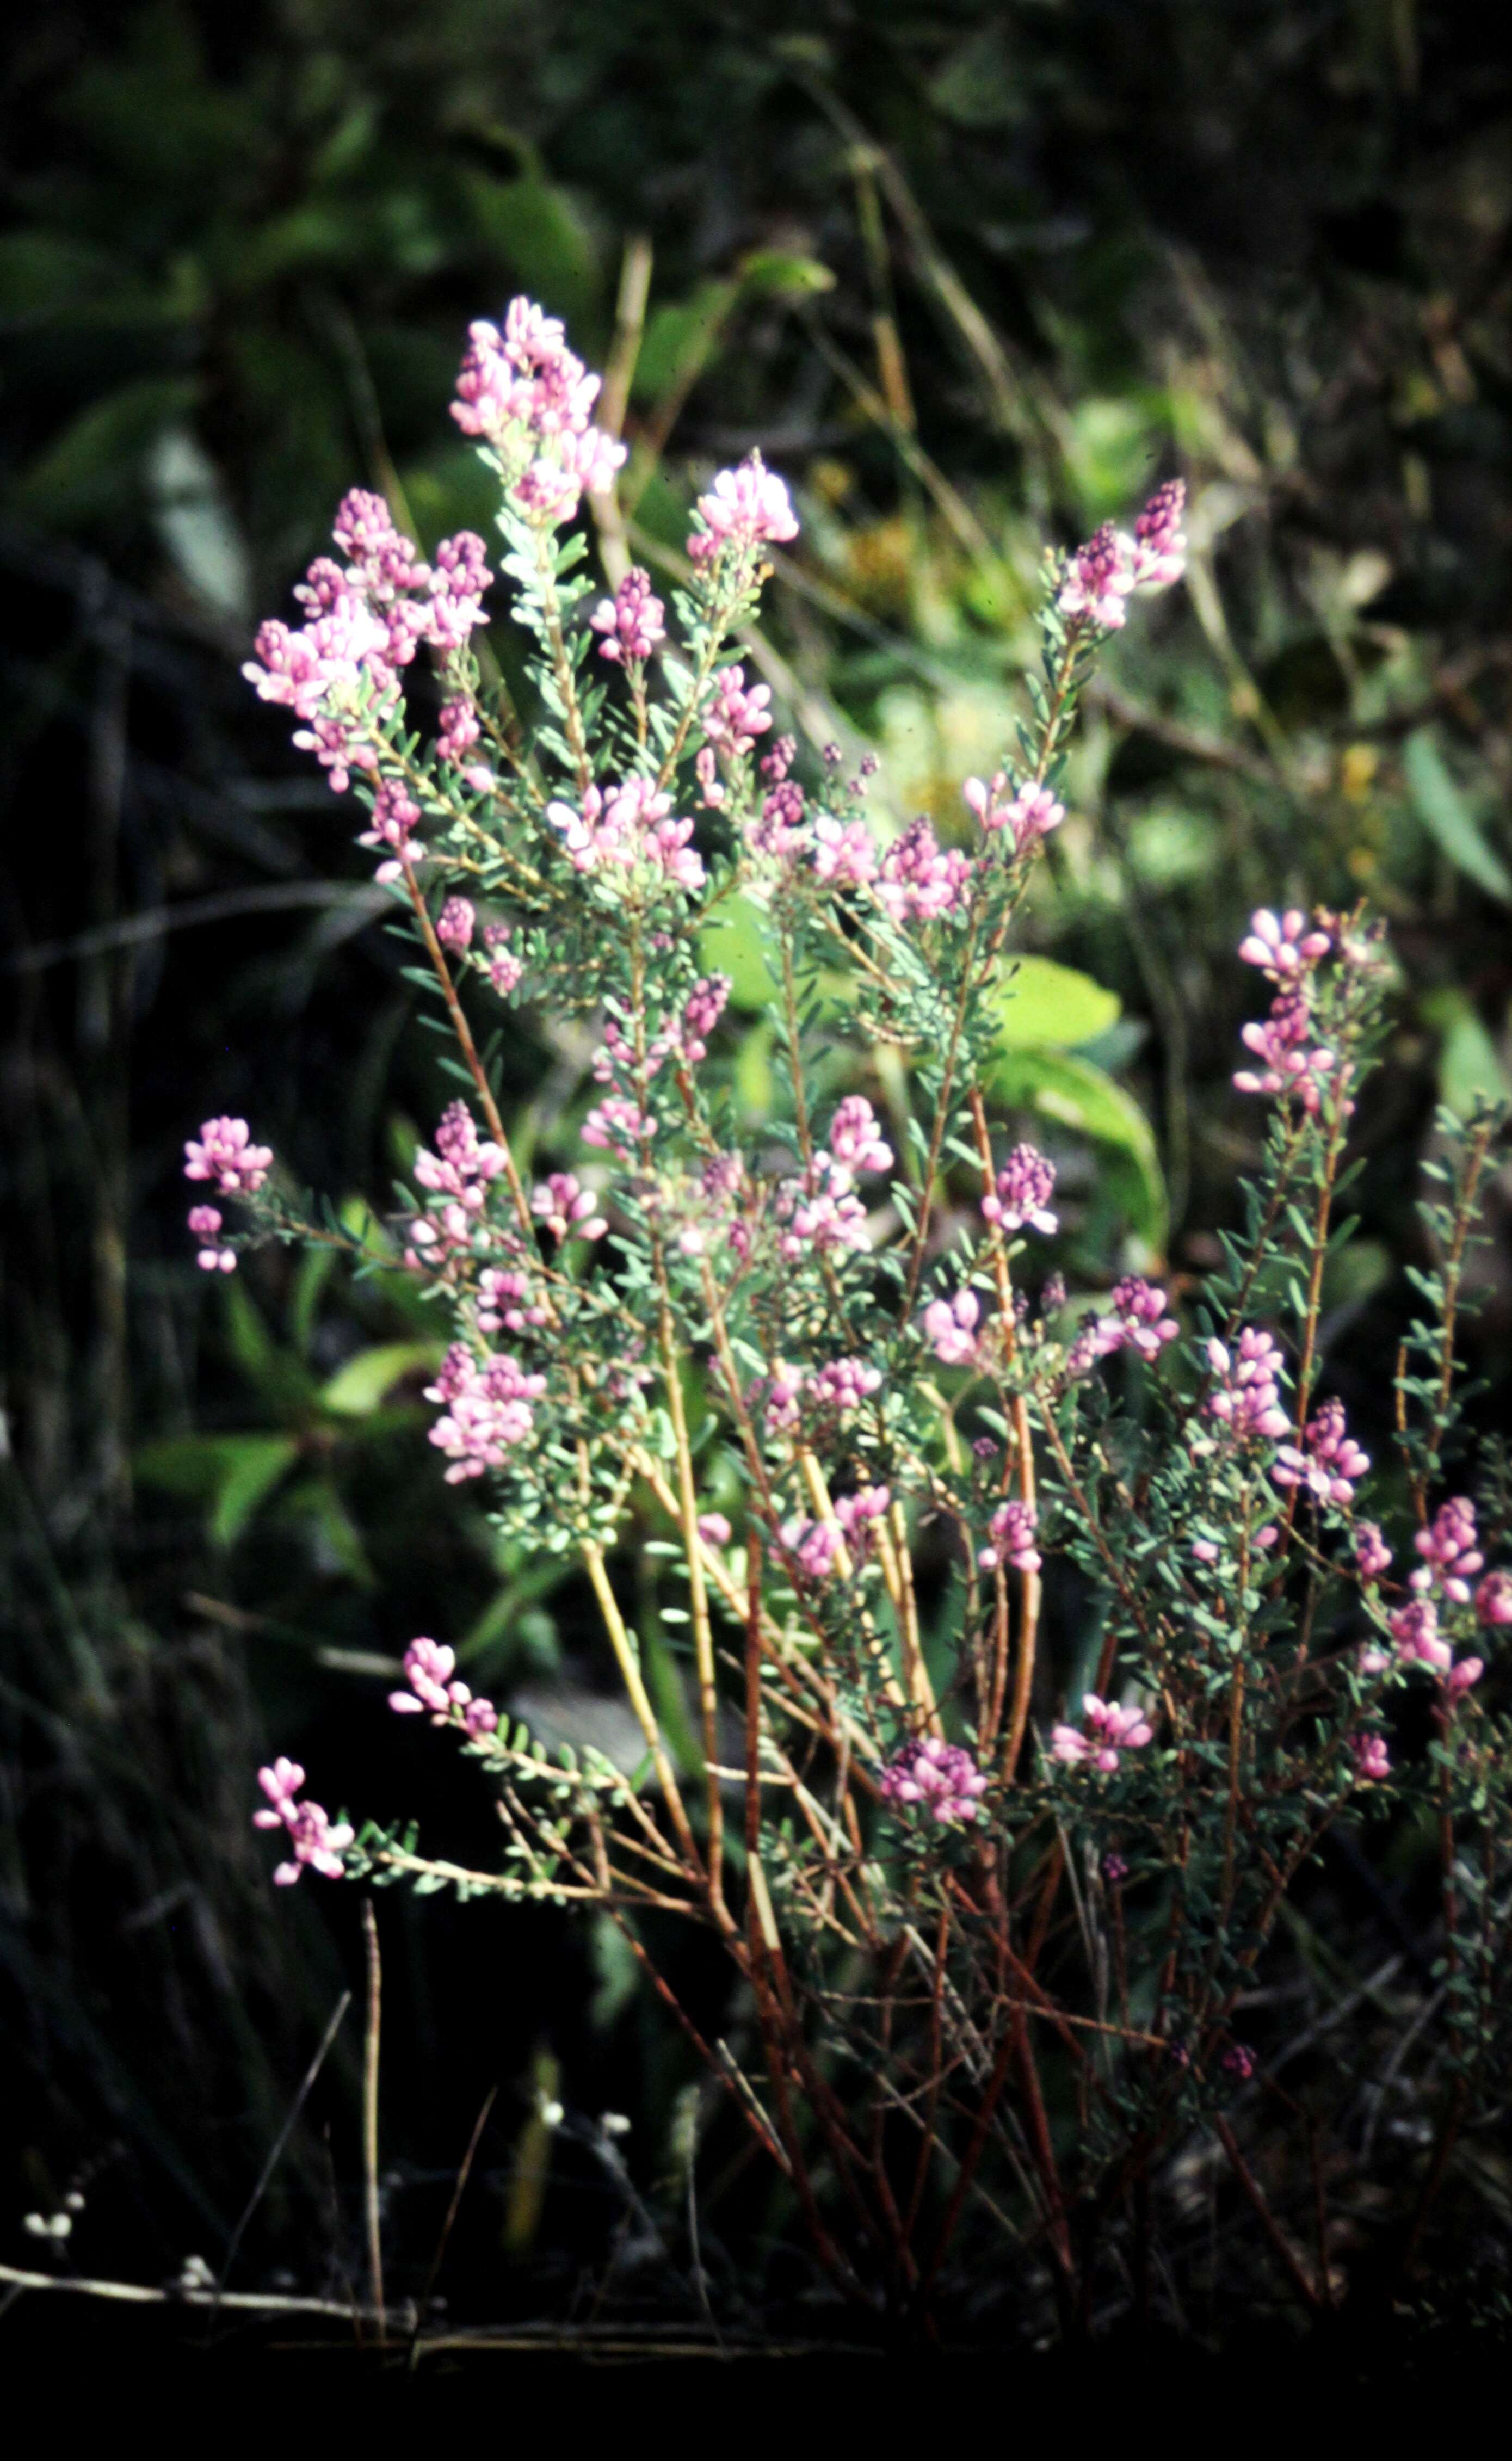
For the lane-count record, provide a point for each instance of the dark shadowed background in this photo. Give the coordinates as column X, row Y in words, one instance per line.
column 973, row 276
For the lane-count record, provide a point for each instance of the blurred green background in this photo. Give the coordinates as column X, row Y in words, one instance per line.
column 974, row 277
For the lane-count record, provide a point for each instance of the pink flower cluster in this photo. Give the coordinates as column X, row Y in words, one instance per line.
column 1021, row 1199
column 1247, row 1399
column 618, row 1126
column 459, row 1173
column 629, row 828
column 523, row 391
column 812, row 1545
column 1420, row 1642
column 1493, row 1600
column 395, row 818
column 744, row 509
column 1103, row 574
column 1450, row 1550
column 818, row 1212
column 504, row 1303
column 632, row 622
column 434, row 1689
column 840, row 1386
column 365, row 620
column 1282, row 946
column 1109, row 1731
column 951, row 1328
column 921, row 881
column 1373, row 1760
column 1013, row 1529
column 487, row 1410
column 1372, row 1555
column 566, row 1209
column 940, row 1778
column 1135, row 1320
column 855, row 1138
column 1028, row 812
column 1328, row 1463
column 314, row 1839
column 224, row 1152
column 205, row 1224
column 735, row 717
column 455, row 924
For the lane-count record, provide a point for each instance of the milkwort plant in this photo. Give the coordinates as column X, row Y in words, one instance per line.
column 997, row 1968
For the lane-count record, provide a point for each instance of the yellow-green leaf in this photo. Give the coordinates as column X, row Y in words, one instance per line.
column 1049, row 1007
column 360, row 1385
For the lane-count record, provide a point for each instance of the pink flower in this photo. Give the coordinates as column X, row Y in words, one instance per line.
column 505, row 967
column 940, row 1778
column 567, row 1210
column 1283, row 947
column 618, row 1125
column 223, row 1151
column 1012, row 1529
column 1160, row 547
column 395, row 818
column 1099, row 578
column 455, row 928
column 627, row 828
column 488, row 1410
column 1022, row 1197
column 1029, row 811
column 1415, row 1628
column 744, row 509
column 734, row 717
column 1373, row 1760
column 458, row 730
column 204, row 1223
column 857, row 1512
column 855, row 1138
column 812, row 1545
column 631, row 621
column 1451, row 1553
column 714, row 1529
column 1463, row 1677
column 315, row 1839
column 1494, row 1599
column 843, row 1384
column 1331, row 1462
column 1109, row 1731
column 844, row 852
column 504, row 1302
column 702, row 1011
column 1136, row 1320
column 1239, row 2061
column 1372, row 1555
column 949, row 1327
column 921, row 881
column 434, row 1689
column 1291, row 1063
column 1246, row 1399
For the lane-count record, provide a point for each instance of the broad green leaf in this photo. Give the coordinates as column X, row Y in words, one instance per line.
column 542, row 239
column 193, row 1466
column 254, row 1465
column 360, row 1385
column 276, row 1373
column 1060, row 1086
column 96, row 463
column 678, row 339
column 730, row 943
column 1469, row 1062
column 336, row 1543
column 1045, row 1006
column 1440, row 805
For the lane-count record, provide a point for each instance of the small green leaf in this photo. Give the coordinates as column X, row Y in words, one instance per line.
column 1047, row 1006
column 777, row 271
column 1441, row 806
column 360, row 1385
